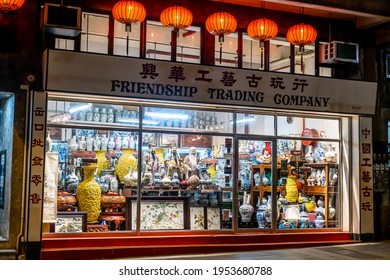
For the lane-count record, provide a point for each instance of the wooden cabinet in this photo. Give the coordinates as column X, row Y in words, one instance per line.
column 321, row 181
column 258, row 190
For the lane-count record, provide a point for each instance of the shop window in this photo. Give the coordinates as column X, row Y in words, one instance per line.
column 305, row 62
column 64, row 44
column 228, row 54
column 188, row 120
column 255, row 124
column 251, row 54
column 308, row 127
column 188, row 45
column 94, row 34
column 7, row 111
column 127, row 43
column 158, row 41
column 325, row 72
column 279, row 55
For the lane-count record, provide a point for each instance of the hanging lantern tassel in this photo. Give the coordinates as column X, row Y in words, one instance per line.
column 221, row 39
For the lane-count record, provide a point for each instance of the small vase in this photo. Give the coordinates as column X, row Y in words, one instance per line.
column 126, row 160
column 71, row 181
column 89, row 195
column 103, row 143
column 89, row 115
column 309, row 155
column 82, row 144
column 111, row 143
column 73, row 143
column 114, row 185
column 118, row 143
column 49, row 142
column 96, row 115
column 103, row 115
column 246, row 210
column 97, row 143
column 89, row 143
column 110, row 115
column 157, row 180
column 331, row 210
column 193, row 181
column 175, row 181
column 329, row 155
column 291, row 189
column 183, row 183
column 319, row 221
column 261, row 216
column 166, row 182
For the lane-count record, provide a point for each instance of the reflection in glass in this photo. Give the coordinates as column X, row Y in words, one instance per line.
column 255, row 124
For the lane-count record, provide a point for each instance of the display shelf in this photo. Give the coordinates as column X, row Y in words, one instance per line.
column 323, row 189
column 92, row 125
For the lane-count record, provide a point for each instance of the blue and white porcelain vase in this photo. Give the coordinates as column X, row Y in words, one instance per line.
column 319, row 221
column 71, row 182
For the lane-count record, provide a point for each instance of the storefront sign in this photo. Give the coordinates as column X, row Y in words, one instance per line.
column 151, row 79
column 366, row 174
column 37, row 144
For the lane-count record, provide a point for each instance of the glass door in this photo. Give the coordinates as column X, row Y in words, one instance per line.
column 255, row 184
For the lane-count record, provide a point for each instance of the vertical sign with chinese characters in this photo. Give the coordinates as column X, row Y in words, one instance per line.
column 37, row 152
column 366, row 181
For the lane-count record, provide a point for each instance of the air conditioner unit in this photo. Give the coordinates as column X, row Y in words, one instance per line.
column 339, row 52
column 62, row 20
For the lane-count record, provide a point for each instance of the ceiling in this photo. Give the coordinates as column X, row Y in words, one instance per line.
column 362, row 20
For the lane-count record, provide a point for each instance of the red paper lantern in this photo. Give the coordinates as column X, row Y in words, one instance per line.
column 10, row 5
column 129, row 12
column 220, row 24
column 176, row 17
column 263, row 30
column 301, row 35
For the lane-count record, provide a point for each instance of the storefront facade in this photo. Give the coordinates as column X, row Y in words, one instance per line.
column 235, row 101
column 216, row 150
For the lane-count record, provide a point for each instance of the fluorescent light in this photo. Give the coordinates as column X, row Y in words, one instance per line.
column 79, row 108
column 167, row 115
column 246, row 120
column 136, row 121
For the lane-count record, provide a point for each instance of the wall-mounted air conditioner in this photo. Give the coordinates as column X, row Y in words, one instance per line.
column 339, row 52
column 61, row 20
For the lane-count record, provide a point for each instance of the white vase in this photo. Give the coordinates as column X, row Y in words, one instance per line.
column 111, row 144
column 49, row 142
column 331, row 210
column 82, row 144
column 73, row 143
column 329, row 155
column 103, row 143
column 97, row 143
column 309, row 155
column 89, row 143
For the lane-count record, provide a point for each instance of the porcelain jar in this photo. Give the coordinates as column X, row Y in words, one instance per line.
column 246, row 210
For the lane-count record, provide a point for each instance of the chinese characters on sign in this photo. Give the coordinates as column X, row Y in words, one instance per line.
column 225, row 86
column 36, row 165
column 366, row 171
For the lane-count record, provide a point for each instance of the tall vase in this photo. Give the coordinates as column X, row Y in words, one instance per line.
column 125, row 161
column 102, row 162
column 49, row 142
column 291, row 189
column 89, row 195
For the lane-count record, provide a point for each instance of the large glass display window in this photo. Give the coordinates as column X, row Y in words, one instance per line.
column 131, row 167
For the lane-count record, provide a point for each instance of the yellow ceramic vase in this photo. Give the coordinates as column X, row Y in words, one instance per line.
column 125, row 161
column 102, row 162
column 291, row 189
column 89, row 195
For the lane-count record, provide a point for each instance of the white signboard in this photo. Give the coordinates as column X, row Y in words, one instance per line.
column 37, row 159
column 366, row 175
column 151, row 79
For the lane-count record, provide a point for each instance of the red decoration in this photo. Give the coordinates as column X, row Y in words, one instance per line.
column 301, row 35
column 10, row 5
column 176, row 17
column 129, row 12
column 262, row 29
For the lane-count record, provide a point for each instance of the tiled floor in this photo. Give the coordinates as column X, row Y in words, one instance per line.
column 359, row 251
